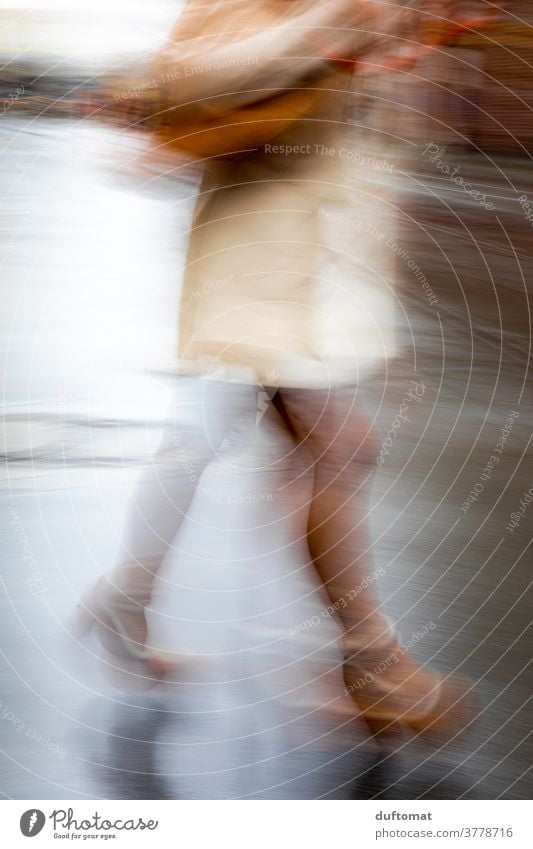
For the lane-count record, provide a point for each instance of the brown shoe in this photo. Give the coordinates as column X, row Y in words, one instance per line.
column 392, row 689
column 446, row 715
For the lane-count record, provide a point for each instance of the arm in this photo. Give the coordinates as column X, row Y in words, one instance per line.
column 208, row 81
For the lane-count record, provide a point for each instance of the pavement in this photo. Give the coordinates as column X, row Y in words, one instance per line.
column 91, row 268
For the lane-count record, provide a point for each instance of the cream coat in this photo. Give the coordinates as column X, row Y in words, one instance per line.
column 290, row 269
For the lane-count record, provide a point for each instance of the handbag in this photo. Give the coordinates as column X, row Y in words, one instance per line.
column 235, row 132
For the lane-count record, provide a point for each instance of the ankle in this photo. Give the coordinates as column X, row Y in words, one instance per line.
column 367, row 645
column 130, row 581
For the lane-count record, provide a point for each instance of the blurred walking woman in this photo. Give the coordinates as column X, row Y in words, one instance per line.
column 287, row 288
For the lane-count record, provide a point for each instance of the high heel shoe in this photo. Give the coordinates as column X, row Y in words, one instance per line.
column 437, row 707
column 445, row 715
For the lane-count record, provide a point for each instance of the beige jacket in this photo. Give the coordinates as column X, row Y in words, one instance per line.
column 289, row 276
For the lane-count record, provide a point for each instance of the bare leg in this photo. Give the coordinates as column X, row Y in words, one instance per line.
column 202, row 415
column 343, row 448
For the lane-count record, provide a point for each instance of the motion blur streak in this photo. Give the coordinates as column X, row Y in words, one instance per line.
column 94, row 236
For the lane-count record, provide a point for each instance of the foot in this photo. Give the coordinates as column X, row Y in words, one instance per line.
column 392, row 691
column 444, row 714
column 115, row 610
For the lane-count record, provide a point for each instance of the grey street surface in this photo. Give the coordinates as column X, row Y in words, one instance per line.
column 91, row 265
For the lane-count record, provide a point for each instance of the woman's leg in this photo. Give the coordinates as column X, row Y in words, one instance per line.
column 202, row 414
column 343, row 449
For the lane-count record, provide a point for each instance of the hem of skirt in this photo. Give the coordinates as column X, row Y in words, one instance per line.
column 300, row 372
